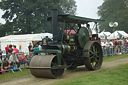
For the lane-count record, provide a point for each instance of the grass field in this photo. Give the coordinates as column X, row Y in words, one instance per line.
column 12, row 76
column 111, row 58
column 116, row 76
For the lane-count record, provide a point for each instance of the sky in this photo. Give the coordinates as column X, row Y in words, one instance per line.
column 85, row 8
column 88, row 8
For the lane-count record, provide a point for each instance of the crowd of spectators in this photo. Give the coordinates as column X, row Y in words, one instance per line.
column 16, row 57
column 114, row 47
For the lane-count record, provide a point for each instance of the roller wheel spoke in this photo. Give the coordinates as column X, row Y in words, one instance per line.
column 93, row 48
column 91, row 52
column 91, row 57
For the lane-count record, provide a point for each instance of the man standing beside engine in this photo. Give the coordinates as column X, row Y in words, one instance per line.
column 90, row 31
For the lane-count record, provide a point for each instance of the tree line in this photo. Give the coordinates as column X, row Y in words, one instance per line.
column 114, row 11
column 30, row 16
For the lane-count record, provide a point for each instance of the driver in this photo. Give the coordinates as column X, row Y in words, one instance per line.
column 89, row 30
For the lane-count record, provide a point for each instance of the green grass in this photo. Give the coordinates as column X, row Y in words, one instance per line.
column 12, row 76
column 111, row 58
column 115, row 76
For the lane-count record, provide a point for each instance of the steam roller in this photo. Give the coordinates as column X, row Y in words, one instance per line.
column 69, row 47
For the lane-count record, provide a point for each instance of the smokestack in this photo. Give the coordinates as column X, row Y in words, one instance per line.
column 55, row 24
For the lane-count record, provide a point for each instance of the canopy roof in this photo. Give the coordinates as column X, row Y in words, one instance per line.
column 105, row 33
column 74, row 19
column 118, row 34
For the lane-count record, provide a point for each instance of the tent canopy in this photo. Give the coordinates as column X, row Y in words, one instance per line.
column 29, row 37
column 118, row 34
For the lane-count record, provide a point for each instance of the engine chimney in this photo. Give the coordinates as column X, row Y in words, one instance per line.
column 55, row 24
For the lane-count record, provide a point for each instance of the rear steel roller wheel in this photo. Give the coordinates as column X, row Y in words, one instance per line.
column 46, row 66
column 93, row 55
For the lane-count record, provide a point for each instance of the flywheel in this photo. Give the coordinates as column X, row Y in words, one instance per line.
column 92, row 55
column 46, row 66
column 83, row 37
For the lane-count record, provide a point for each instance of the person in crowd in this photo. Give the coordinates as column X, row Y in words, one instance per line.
column 1, row 54
column 9, row 51
column 6, row 49
column 6, row 64
column 30, row 47
column 113, row 41
column 111, row 47
column 29, row 57
column 89, row 30
column 15, row 49
column 22, row 58
column 40, row 46
column 123, row 47
column 36, row 48
column 104, row 48
column 120, row 44
column 123, row 40
column 13, row 59
column 108, row 47
column 127, row 40
column 126, row 45
column 0, row 63
column 116, row 46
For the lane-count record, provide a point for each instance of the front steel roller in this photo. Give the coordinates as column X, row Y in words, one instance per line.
column 46, row 66
column 92, row 55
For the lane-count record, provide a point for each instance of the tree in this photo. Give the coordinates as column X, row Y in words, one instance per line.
column 27, row 16
column 113, row 11
column 126, row 2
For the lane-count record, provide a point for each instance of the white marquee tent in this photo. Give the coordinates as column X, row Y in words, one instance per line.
column 24, row 40
column 118, row 34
